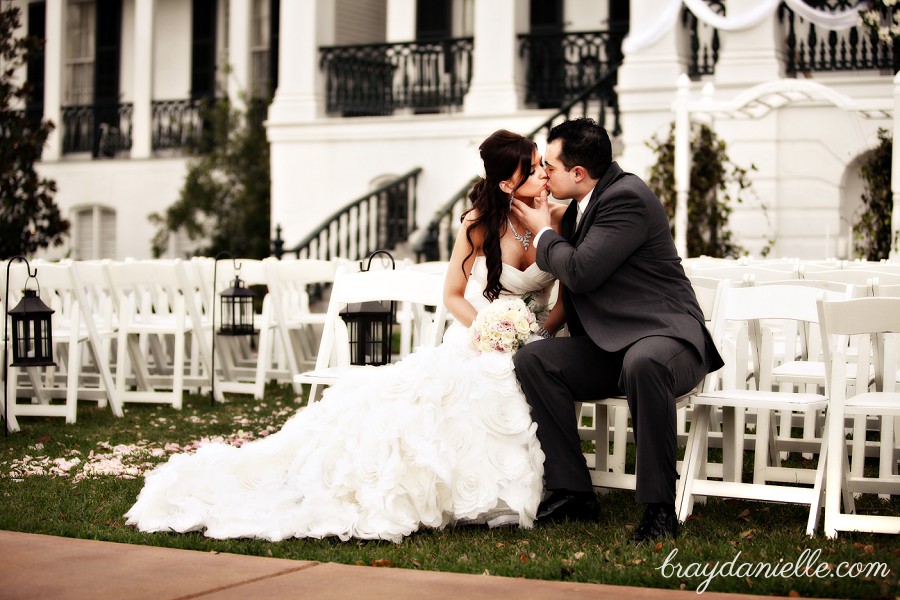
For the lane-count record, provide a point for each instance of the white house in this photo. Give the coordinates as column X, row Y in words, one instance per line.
column 368, row 90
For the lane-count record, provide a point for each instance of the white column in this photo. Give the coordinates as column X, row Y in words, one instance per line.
column 497, row 79
column 53, row 77
column 144, row 18
column 401, row 20
column 301, row 88
column 682, row 166
column 750, row 56
column 239, row 22
column 656, row 54
column 895, row 177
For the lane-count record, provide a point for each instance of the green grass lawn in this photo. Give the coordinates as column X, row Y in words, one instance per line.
column 45, row 490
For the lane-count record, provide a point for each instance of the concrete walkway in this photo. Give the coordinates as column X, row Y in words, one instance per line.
column 40, row 566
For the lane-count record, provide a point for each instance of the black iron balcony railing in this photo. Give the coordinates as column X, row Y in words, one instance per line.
column 562, row 65
column 704, row 39
column 102, row 130
column 177, row 124
column 810, row 49
column 437, row 240
column 376, row 79
column 378, row 220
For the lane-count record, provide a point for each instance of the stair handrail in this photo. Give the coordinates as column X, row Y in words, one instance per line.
column 405, row 182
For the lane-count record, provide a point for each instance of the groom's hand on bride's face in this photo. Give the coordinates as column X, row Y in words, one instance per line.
column 534, row 218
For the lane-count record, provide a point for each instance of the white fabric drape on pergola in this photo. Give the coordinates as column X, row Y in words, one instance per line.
column 755, row 103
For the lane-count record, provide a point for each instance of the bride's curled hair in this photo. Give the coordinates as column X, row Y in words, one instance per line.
column 503, row 153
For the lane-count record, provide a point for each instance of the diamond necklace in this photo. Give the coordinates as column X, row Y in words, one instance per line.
column 525, row 240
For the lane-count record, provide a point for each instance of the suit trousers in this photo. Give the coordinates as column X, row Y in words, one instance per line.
column 651, row 373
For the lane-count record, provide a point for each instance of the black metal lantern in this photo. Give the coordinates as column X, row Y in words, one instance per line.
column 237, row 309
column 32, row 341
column 32, row 334
column 371, row 325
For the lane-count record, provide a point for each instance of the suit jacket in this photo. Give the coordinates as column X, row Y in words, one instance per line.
column 622, row 276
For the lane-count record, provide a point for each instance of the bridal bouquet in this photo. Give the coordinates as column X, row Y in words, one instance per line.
column 503, row 326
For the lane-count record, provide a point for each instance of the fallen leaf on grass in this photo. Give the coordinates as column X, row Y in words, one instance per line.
column 745, row 515
column 747, row 534
column 382, row 562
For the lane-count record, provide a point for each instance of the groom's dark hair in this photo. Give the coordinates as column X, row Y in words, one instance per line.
column 584, row 143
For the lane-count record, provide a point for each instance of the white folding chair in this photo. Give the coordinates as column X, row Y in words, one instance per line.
column 610, row 415
column 78, row 375
column 741, row 272
column 297, row 323
column 875, row 322
column 805, row 369
column 409, row 315
column 245, row 366
column 404, row 285
column 859, row 277
column 97, row 301
column 154, row 304
column 752, row 308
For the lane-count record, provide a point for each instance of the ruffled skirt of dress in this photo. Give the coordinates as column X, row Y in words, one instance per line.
column 444, row 435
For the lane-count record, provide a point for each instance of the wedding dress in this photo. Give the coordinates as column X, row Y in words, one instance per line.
column 441, row 437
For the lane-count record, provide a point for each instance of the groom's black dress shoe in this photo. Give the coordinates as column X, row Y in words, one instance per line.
column 567, row 505
column 660, row 521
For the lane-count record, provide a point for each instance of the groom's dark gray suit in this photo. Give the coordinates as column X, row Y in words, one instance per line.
column 636, row 329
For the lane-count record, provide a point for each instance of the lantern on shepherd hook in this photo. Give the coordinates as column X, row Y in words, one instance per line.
column 32, row 335
column 371, row 326
column 236, row 305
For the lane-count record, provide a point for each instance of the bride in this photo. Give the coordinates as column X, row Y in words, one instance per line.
column 442, row 437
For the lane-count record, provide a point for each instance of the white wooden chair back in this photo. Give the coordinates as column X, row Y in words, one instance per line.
column 350, row 287
column 875, row 325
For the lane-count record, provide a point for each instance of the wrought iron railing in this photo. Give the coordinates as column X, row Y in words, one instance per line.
column 810, row 49
column 438, row 236
column 379, row 220
column 704, row 40
column 562, row 65
column 177, row 124
column 102, row 130
column 376, row 79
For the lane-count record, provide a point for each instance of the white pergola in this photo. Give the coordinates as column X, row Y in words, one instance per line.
column 757, row 102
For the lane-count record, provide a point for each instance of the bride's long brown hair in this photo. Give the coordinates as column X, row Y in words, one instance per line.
column 503, row 153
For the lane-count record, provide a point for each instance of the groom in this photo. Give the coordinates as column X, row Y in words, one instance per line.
column 636, row 327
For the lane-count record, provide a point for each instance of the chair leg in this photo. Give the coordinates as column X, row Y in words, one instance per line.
column 72, row 374
column 818, row 487
column 886, row 464
column 859, row 447
column 620, row 438
column 763, row 445
column 178, row 370
column 694, row 456
column 12, row 424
